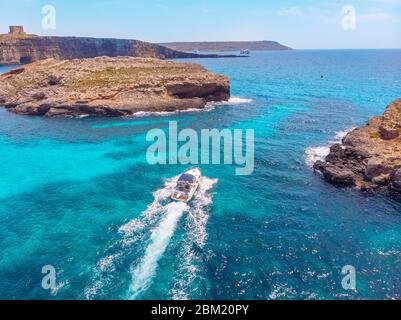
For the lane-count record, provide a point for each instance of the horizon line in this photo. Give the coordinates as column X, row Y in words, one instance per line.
column 291, row 48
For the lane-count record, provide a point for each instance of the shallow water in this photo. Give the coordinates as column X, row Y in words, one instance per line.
column 78, row 194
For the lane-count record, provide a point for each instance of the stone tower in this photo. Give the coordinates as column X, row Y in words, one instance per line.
column 16, row 30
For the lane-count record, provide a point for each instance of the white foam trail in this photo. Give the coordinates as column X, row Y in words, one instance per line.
column 314, row 154
column 143, row 274
column 233, row 101
column 199, row 215
column 198, row 218
column 150, row 215
column 163, row 218
column 340, row 135
column 132, row 233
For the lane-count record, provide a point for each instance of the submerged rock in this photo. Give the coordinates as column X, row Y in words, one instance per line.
column 368, row 157
column 107, row 86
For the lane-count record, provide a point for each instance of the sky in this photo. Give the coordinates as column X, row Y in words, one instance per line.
column 302, row 24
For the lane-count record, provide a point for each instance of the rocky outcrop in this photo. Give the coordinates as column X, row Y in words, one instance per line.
column 368, row 157
column 30, row 48
column 107, row 86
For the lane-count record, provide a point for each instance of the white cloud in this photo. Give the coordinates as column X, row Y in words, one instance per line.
column 290, row 12
column 375, row 15
column 390, row 1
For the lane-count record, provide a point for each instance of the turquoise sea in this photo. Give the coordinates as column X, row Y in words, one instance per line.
column 79, row 195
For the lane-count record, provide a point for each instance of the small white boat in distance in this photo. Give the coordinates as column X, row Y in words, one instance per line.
column 187, row 185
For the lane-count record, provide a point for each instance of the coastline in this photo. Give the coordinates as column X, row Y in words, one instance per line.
column 314, row 154
column 23, row 48
column 368, row 157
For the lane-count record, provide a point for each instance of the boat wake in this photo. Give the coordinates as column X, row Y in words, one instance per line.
column 314, row 154
column 143, row 273
column 191, row 257
column 148, row 236
column 131, row 230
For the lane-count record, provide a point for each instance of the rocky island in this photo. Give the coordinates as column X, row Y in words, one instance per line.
column 109, row 86
column 368, row 157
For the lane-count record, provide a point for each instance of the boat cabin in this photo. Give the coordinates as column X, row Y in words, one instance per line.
column 185, row 183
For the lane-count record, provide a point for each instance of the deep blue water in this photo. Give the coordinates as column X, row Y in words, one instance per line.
column 75, row 194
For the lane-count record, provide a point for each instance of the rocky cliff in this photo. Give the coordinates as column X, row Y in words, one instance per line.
column 106, row 86
column 368, row 157
column 29, row 48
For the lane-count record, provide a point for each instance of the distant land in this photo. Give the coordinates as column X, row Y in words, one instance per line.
column 19, row 47
column 224, row 46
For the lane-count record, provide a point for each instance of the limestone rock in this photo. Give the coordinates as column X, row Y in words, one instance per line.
column 395, row 183
column 107, row 86
column 19, row 47
column 388, row 133
column 30, row 48
column 368, row 157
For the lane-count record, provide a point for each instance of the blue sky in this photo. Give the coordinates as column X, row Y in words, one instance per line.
column 304, row 24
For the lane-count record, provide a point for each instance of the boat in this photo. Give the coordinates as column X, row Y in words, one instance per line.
column 245, row 52
column 187, row 185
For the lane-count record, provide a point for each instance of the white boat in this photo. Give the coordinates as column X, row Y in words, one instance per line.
column 187, row 185
column 245, row 52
